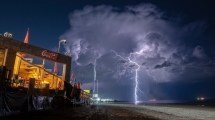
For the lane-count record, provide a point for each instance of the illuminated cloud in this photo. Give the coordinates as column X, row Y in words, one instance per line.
column 164, row 54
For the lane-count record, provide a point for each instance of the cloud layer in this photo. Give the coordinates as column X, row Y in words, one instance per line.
column 162, row 48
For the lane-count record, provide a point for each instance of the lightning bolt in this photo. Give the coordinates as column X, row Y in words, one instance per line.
column 94, row 69
column 132, row 61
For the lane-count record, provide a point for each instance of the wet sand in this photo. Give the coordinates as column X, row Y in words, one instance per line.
column 82, row 113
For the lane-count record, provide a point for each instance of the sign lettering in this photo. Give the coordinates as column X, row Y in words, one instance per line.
column 49, row 55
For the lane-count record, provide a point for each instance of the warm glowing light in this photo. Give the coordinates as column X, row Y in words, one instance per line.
column 87, row 91
column 45, row 82
column 24, row 70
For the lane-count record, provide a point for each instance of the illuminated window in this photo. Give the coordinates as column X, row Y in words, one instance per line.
column 2, row 56
column 26, row 69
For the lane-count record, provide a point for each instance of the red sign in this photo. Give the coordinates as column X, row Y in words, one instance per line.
column 50, row 55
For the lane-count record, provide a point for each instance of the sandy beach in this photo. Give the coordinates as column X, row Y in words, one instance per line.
column 82, row 113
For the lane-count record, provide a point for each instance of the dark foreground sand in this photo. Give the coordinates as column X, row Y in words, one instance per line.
column 81, row 113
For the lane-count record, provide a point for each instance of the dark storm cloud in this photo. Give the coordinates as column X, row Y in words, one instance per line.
column 165, row 64
column 162, row 48
column 199, row 52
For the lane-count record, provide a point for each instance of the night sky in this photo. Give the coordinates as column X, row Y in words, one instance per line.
column 169, row 43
